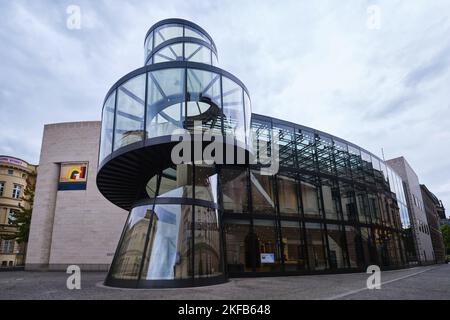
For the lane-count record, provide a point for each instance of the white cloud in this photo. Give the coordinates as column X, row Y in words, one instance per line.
column 314, row 63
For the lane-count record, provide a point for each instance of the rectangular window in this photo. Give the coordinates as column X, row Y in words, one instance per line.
column 10, row 172
column 11, row 216
column 6, row 246
column 2, row 188
column 17, row 191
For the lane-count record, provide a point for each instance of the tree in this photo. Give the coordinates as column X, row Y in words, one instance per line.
column 445, row 229
column 21, row 219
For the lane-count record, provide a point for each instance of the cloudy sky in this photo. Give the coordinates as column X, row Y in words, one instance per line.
column 330, row 65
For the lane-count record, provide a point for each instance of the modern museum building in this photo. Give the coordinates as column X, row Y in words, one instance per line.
column 329, row 207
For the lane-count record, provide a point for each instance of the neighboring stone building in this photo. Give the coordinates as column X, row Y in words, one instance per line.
column 418, row 217
column 72, row 223
column 432, row 203
column 14, row 173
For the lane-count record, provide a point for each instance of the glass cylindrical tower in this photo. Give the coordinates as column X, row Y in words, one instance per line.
column 173, row 235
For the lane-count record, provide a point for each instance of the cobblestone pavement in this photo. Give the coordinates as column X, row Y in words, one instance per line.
column 431, row 282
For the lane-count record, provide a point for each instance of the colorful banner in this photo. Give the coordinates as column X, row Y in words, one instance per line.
column 73, row 172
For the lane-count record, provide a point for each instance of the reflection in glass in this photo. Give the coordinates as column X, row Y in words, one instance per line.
column 317, row 258
column 127, row 262
column 234, row 190
column 130, row 112
column 310, row 200
column 173, row 52
column 293, row 246
column 107, row 127
column 168, row 254
column 336, row 243
column 287, row 195
column 330, row 194
column 239, row 246
column 207, row 243
column 172, row 182
column 269, row 258
column 262, row 193
column 206, row 183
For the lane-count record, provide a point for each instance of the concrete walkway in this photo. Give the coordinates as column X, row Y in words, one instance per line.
column 431, row 282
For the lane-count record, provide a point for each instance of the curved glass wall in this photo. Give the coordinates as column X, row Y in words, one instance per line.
column 175, row 98
column 178, row 42
column 331, row 205
column 168, row 239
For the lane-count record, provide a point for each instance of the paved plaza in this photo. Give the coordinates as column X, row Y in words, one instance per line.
column 431, row 282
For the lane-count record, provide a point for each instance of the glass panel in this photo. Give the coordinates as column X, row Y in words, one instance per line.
column 316, row 246
column 325, row 154
column 348, row 202
column 173, row 182
column 248, row 118
column 305, row 149
column 206, row 183
column 149, row 44
column 262, row 193
column 233, row 110
column 207, row 243
column 197, row 53
column 234, row 188
column 130, row 112
column 330, row 193
column 190, row 32
column 262, row 132
column 286, row 146
column 107, row 127
column 167, row 32
column 287, row 194
column 129, row 253
column 165, row 109
column 169, row 250
column 170, row 53
column 310, row 200
column 268, row 246
column 293, row 246
column 336, row 244
column 354, row 246
column 370, row 251
column 240, row 243
column 204, row 88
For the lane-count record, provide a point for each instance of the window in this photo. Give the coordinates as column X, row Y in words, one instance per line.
column 6, row 246
column 17, row 191
column 10, row 172
column 267, row 246
column 130, row 112
column 239, row 242
column 11, row 216
column 234, row 190
column 2, row 187
column 107, row 126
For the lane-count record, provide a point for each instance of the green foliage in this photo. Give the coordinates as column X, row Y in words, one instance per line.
column 21, row 219
column 445, row 229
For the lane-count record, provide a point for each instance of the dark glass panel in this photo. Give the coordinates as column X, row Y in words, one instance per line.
column 348, row 202
column 336, row 243
column 355, row 247
column 263, row 199
column 206, row 183
column 234, row 190
column 240, row 246
column 293, row 246
column 207, row 259
column 269, row 258
column 317, row 257
column 286, row 145
column 330, row 193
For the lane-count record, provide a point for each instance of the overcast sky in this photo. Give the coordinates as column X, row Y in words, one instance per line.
column 323, row 64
